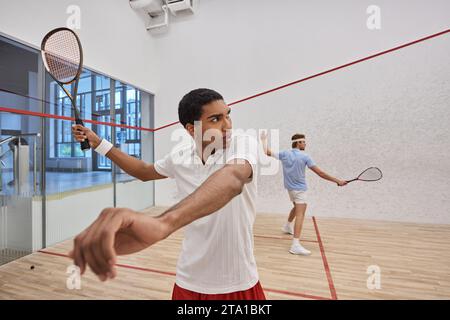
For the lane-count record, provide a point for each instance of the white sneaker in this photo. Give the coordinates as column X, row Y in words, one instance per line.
column 298, row 249
column 287, row 228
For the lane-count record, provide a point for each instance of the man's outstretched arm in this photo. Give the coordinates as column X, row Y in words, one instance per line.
column 212, row 195
column 131, row 165
column 326, row 176
column 119, row 231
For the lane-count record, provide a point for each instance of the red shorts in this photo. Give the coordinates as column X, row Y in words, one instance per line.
column 254, row 293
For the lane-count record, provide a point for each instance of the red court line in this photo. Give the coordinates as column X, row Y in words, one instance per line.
column 167, row 125
column 255, row 95
column 329, row 70
column 282, row 238
column 325, row 262
column 342, row 66
column 117, row 264
column 289, row 293
column 303, row 295
column 53, row 116
column 33, row 98
column 54, row 253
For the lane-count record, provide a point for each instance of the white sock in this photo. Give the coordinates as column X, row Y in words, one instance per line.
column 288, row 224
column 295, row 241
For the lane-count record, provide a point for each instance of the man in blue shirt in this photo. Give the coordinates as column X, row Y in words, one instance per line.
column 294, row 163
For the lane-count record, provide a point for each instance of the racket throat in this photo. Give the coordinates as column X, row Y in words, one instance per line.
column 73, row 100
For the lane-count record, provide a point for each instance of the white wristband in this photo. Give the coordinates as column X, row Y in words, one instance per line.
column 104, row 147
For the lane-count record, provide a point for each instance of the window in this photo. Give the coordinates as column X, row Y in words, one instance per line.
column 128, row 112
column 94, row 102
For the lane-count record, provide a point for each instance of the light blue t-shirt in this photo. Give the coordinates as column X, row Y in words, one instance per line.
column 294, row 162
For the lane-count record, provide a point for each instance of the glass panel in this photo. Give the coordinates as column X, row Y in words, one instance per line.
column 64, row 150
column 104, row 132
column 20, row 150
column 137, row 108
column 102, row 114
column 73, row 176
column 128, row 112
column 70, row 178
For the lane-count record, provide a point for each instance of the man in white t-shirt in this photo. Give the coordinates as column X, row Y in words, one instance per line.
column 217, row 178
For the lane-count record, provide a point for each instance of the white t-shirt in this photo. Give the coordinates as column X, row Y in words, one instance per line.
column 217, row 250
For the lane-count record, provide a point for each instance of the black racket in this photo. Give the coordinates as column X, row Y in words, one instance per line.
column 370, row 174
column 63, row 58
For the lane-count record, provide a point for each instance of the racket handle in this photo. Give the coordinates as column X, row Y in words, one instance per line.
column 352, row 180
column 84, row 144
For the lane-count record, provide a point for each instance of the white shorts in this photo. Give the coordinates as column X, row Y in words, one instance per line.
column 297, row 196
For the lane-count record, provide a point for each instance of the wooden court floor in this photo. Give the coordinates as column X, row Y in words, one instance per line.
column 410, row 261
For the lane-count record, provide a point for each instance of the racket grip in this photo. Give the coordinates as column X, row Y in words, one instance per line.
column 84, row 144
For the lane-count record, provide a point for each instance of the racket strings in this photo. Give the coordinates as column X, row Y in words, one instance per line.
column 62, row 56
column 371, row 174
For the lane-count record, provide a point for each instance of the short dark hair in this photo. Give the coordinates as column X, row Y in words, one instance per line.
column 190, row 108
column 295, row 137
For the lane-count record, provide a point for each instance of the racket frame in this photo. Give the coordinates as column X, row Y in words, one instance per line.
column 73, row 95
column 381, row 175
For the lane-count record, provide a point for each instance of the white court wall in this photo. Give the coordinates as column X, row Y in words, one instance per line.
column 135, row 194
column 390, row 112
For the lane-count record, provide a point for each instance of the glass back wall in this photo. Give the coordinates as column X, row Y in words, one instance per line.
column 58, row 188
